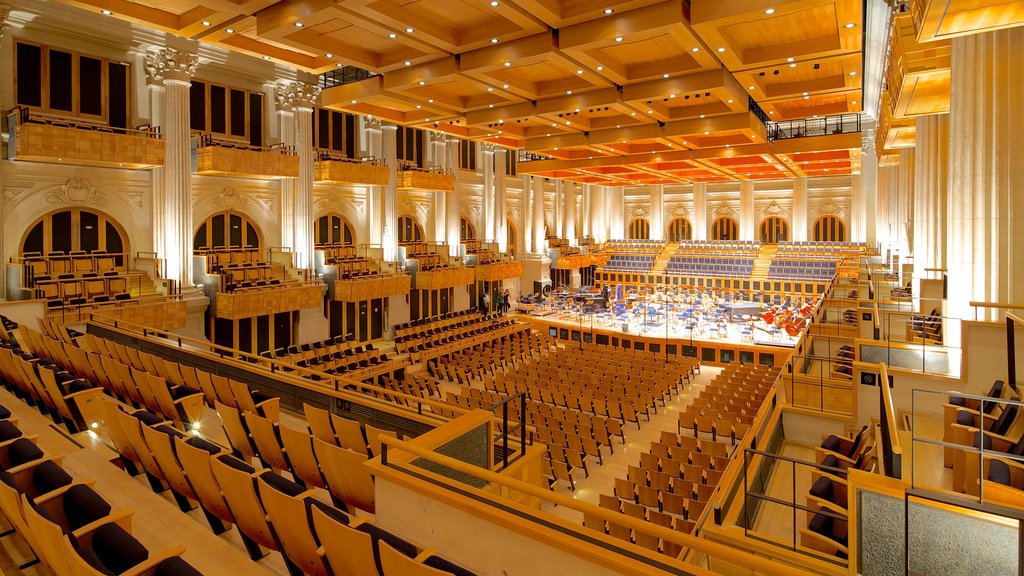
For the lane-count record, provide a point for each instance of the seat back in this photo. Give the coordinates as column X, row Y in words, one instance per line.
column 287, row 513
column 161, row 445
column 350, row 434
column 346, row 476
column 268, row 446
column 235, row 429
column 239, row 490
column 319, row 421
column 196, row 464
column 394, row 563
column 298, row 444
column 349, row 551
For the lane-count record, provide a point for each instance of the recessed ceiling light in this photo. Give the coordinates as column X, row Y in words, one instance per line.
column 701, row 115
column 793, row 65
column 618, row 125
column 392, row 35
column 206, row 22
column 853, row 73
column 854, row 102
column 504, row 86
column 790, row 59
column 408, row 63
column 664, row 75
column 297, row 24
column 608, row 10
column 353, row 101
column 569, row 92
column 579, row 71
column 599, row 68
column 633, row 114
column 494, row 40
column 706, row 133
column 409, row 30
column 338, row 65
column 694, row 49
column 650, row 111
column 770, row 11
column 230, row 30
column 804, row 94
column 431, row 100
column 772, row 112
column 422, row 83
column 489, row 89
column 807, row 97
column 556, row 149
column 490, row 105
column 494, row 3
column 426, row 119
column 722, row 49
column 849, row 25
column 329, row 55
column 418, row 106
column 507, row 64
column 671, row 95
column 577, row 110
column 568, row 123
column 106, row 12
column 730, row 101
column 750, row 87
column 553, row 124
column 266, row 57
column 618, row 38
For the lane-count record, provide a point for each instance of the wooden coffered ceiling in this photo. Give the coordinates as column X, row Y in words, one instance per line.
column 576, row 80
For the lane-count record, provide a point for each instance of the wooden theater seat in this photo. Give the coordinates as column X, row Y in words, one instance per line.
column 237, row 481
column 347, row 478
column 287, row 505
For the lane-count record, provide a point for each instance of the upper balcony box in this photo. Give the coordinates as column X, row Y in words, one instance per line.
column 412, row 177
column 47, row 138
column 222, row 157
column 335, row 168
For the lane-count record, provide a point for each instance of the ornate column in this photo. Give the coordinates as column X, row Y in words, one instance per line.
column 569, row 212
column 389, row 195
column 174, row 69
column 539, row 243
column 616, row 213
column 657, row 212
column 452, row 201
column 486, row 226
column 887, row 185
column 930, row 181
column 286, row 131
column 586, row 211
column 498, row 217
column 157, row 92
column 374, row 148
column 799, row 209
column 865, row 193
column 556, row 209
column 985, row 237
column 526, row 218
column 748, row 219
column 905, row 203
column 438, row 208
column 700, row 211
column 300, row 97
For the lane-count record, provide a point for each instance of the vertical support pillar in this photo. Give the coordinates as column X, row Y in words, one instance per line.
column 556, row 208
column 747, row 216
column 700, row 211
column 389, row 209
column 539, row 244
column 374, row 138
column 931, row 179
column 526, row 217
column 616, row 213
column 905, row 203
column 657, row 219
column 800, row 226
column 569, row 212
column 865, row 193
column 300, row 97
column 486, row 226
column 499, row 216
column 586, row 214
column 452, row 201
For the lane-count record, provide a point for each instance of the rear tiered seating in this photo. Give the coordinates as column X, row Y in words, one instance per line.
column 349, row 264
column 821, row 248
column 716, row 258
column 727, row 406
column 817, row 270
column 631, row 255
column 76, row 278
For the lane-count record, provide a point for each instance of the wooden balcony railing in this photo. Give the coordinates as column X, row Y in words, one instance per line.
column 412, row 177
column 223, row 157
column 333, row 168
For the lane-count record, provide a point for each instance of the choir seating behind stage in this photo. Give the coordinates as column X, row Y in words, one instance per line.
column 242, row 269
column 817, row 269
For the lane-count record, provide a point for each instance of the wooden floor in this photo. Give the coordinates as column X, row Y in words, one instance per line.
column 787, row 484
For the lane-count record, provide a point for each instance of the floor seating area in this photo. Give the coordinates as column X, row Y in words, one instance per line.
column 727, row 405
column 816, row 270
column 424, row 341
column 303, row 493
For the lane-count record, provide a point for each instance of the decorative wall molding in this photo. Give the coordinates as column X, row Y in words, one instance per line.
column 638, row 213
column 170, row 64
column 680, row 212
column 10, row 194
column 5, row 11
column 76, row 191
column 334, row 203
column 135, row 198
column 831, row 208
column 723, row 211
column 773, row 209
column 296, row 95
column 229, row 199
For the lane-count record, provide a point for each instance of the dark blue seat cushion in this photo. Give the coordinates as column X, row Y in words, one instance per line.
column 236, row 464
column 830, row 460
column 442, row 564
column 147, row 417
column 203, row 445
column 180, row 392
column 965, row 418
column 980, row 436
column 282, row 484
column 999, row 472
column 822, row 488
column 175, row 567
column 80, row 384
column 1005, row 420
column 377, row 535
column 49, row 476
column 832, row 443
column 957, row 400
column 4, row 413
column 171, row 431
column 82, row 505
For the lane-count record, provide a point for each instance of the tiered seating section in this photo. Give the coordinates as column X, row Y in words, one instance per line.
column 295, row 491
column 350, row 265
column 816, row 270
column 483, row 255
column 717, row 258
column 244, row 269
column 808, row 249
column 337, row 356
column 631, row 255
column 442, row 335
column 429, row 259
column 76, row 278
column 677, row 477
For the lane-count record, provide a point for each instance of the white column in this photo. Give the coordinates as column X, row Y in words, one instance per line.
column 438, row 212
column 286, row 129
column 175, row 69
column 569, row 212
column 374, row 148
column 865, row 191
column 452, row 201
column 905, row 203
column 486, row 225
column 800, row 209
column 887, row 185
column 556, row 208
column 526, row 217
column 389, row 210
column 586, row 214
column 598, row 209
column 500, row 216
column 700, row 211
column 657, row 212
column 985, row 255
column 748, row 220
column 156, row 175
column 539, row 243
column 931, row 178
column 301, row 97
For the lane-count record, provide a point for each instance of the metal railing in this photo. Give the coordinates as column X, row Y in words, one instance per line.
column 524, row 156
column 506, row 431
column 840, row 124
column 344, row 75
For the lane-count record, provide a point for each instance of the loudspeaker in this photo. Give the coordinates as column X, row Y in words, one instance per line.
column 542, row 287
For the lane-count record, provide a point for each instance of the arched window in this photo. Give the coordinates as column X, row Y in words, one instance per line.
column 466, row 230
column 725, row 228
column 409, row 230
column 333, row 229
column 510, row 237
column 680, row 229
column 774, row 230
column 830, row 229
column 639, row 229
column 226, row 230
column 75, row 230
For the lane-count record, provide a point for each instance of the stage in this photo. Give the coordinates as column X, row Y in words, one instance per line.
column 716, row 328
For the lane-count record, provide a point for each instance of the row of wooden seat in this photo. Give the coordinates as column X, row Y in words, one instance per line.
column 76, row 263
column 426, row 338
column 71, row 528
column 638, row 536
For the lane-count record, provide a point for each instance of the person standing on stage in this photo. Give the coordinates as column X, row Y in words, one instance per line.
column 508, row 301
column 485, row 303
column 499, row 303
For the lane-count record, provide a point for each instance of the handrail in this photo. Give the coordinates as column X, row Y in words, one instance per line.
column 326, row 154
column 749, row 561
column 277, row 367
column 893, row 460
column 26, row 115
column 978, row 304
column 208, row 140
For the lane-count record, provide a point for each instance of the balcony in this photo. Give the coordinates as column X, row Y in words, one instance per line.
column 945, row 19
column 46, row 138
column 220, row 157
column 371, row 287
column 332, row 168
column 917, row 74
column 283, row 298
column 412, row 177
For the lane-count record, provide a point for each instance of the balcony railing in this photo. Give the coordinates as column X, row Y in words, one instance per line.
column 524, row 156
column 344, row 75
column 840, row 124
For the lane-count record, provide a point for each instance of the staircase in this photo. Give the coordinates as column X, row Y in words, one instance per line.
column 662, row 260
column 763, row 261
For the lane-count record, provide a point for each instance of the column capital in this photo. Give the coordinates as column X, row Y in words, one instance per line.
column 297, row 96
column 5, row 11
column 168, row 64
column 389, row 127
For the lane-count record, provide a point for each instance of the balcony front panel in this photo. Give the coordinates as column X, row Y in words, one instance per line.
column 68, row 144
column 246, row 163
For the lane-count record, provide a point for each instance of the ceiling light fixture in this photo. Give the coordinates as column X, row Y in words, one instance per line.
column 329, row 55
column 494, row 3
column 504, row 85
column 418, row 106
column 792, row 65
column 618, row 38
column 579, row 71
column 854, row 102
column 569, row 92
column 409, row 30
column 790, row 59
column 422, row 83
column 106, row 12
column 494, row 40
column 730, row 101
column 770, row 11
column 750, row 87
column 507, row 64
column 664, row 75
column 608, row 10
column 489, row 89
column 353, row 101
column 206, row 22
column 338, row 65
column 853, row 73
column 408, row 63
column 230, row 30
column 266, row 57
column 694, row 49
column 392, row 35
column 721, row 49
column 849, row 25
column 599, row 68
column 297, row 24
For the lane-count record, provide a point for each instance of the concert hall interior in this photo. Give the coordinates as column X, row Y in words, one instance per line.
column 511, row 287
